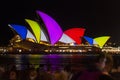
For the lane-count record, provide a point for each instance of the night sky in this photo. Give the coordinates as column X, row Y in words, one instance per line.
column 98, row 17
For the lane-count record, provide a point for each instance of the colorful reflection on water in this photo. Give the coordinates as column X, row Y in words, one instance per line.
column 53, row 60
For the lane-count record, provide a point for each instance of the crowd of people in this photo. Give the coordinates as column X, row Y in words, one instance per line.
column 99, row 70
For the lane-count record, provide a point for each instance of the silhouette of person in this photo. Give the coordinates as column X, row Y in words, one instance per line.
column 100, row 70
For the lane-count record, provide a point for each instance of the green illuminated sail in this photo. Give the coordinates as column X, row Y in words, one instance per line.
column 101, row 40
column 36, row 28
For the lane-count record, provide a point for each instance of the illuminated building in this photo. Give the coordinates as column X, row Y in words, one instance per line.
column 52, row 33
column 52, row 37
column 76, row 34
column 100, row 41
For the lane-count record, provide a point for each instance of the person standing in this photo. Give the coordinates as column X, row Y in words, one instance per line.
column 100, row 70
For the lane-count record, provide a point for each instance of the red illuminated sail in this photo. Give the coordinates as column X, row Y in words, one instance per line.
column 75, row 34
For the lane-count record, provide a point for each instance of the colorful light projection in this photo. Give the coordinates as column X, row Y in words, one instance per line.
column 98, row 40
column 43, row 36
column 101, row 40
column 35, row 28
column 21, row 30
column 30, row 36
column 54, row 61
column 66, row 39
column 89, row 40
column 53, row 28
column 75, row 34
column 35, row 60
column 55, row 33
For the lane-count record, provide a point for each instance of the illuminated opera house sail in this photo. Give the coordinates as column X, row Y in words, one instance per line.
column 51, row 37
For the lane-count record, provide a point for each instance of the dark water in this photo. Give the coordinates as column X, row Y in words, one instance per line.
column 22, row 61
column 56, row 61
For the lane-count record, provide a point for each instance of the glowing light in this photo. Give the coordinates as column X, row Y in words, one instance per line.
column 101, row 40
column 75, row 34
column 21, row 30
column 53, row 28
column 90, row 40
column 30, row 35
column 43, row 37
column 35, row 27
column 66, row 39
column 32, row 59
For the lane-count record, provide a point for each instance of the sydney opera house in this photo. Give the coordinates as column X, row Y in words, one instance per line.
column 46, row 35
column 42, row 44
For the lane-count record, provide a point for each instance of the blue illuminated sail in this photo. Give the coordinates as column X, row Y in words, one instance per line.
column 90, row 40
column 21, row 30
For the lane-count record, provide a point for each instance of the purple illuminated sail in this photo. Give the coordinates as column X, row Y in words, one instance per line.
column 53, row 28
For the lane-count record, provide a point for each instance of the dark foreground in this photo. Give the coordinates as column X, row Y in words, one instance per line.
column 51, row 62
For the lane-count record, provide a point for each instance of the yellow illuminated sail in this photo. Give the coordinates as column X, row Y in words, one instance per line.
column 101, row 40
column 35, row 27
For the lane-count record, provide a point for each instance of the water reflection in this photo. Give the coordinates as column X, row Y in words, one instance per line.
column 23, row 61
